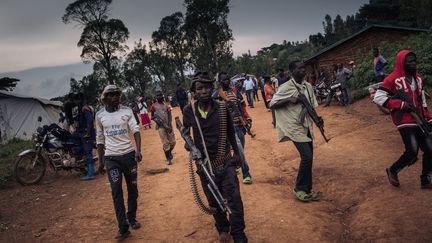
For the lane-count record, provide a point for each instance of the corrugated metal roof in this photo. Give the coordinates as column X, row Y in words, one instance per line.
column 41, row 100
column 367, row 28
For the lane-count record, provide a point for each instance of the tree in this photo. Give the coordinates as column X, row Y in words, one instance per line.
column 89, row 86
column 208, row 32
column 136, row 69
column 162, row 69
column 102, row 38
column 100, row 41
column 8, row 84
column 172, row 38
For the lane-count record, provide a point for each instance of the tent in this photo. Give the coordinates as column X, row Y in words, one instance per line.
column 19, row 115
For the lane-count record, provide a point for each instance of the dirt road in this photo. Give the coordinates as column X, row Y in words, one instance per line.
column 358, row 205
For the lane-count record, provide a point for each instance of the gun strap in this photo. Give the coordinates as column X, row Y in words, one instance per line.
column 202, row 138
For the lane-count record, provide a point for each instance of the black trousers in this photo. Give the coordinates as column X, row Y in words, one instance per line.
column 304, row 175
column 228, row 185
column 117, row 167
column 414, row 139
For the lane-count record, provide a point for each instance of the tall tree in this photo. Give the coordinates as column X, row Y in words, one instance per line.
column 8, row 84
column 102, row 39
column 172, row 37
column 136, row 69
column 208, row 32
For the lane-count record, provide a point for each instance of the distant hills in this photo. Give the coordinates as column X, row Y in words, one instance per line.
column 48, row 82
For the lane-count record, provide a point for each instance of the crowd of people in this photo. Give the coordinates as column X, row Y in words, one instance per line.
column 216, row 113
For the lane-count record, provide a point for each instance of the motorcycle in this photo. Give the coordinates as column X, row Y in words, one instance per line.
column 321, row 91
column 54, row 146
column 335, row 92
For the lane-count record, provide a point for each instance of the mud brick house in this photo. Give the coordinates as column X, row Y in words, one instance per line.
column 356, row 46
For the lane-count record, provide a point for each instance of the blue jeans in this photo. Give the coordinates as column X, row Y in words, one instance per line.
column 240, row 132
column 250, row 96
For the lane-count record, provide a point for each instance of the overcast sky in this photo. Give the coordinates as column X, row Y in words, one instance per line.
column 32, row 34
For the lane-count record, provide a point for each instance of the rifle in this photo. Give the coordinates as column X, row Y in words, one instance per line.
column 160, row 123
column 310, row 110
column 423, row 124
column 235, row 112
column 196, row 155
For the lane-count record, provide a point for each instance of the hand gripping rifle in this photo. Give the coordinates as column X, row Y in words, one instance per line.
column 160, row 123
column 423, row 124
column 196, row 155
column 310, row 110
column 235, row 112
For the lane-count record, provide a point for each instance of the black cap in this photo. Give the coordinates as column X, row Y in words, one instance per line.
column 202, row 77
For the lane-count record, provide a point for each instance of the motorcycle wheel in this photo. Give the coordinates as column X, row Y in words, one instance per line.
column 27, row 174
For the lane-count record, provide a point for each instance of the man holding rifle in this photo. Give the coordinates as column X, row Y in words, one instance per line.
column 213, row 133
column 291, row 101
column 402, row 92
column 240, row 123
column 161, row 114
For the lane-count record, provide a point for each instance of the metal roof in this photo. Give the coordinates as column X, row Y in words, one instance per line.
column 367, row 28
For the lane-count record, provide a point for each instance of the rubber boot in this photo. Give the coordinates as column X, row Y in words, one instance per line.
column 170, row 154
column 168, row 157
column 90, row 173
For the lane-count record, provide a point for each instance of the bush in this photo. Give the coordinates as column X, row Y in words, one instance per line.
column 420, row 44
column 8, row 154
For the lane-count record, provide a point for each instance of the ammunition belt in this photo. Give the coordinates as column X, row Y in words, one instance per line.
column 222, row 154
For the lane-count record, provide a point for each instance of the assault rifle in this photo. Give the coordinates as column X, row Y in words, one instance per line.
column 235, row 112
column 196, row 155
column 160, row 123
column 310, row 110
column 423, row 124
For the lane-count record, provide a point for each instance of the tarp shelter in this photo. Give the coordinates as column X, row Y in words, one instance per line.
column 19, row 115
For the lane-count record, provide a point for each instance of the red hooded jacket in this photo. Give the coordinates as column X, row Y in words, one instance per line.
column 395, row 81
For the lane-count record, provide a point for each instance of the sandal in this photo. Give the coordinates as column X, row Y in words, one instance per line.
column 303, row 196
column 315, row 196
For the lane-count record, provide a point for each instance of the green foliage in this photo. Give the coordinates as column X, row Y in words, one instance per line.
column 420, row 44
column 102, row 39
column 172, row 38
column 8, row 154
column 8, row 84
column 136, row 69
column 209, row 36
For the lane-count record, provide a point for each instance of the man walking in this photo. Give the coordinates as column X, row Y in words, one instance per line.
column 287, row 110
column 240, row 130
column 404, row 108
column 115, row 149
column 249, row 87
column 218, row 133
column 161, row 114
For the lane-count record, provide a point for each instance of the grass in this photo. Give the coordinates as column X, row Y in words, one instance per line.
column 8, row 154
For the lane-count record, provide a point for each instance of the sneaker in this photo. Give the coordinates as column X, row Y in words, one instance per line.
column 135, row 225
column 247, row 180
column 393, row 178
column 121, row 236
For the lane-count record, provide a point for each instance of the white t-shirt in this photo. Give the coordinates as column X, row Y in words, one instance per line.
column 142, row 108
column 112, row 130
